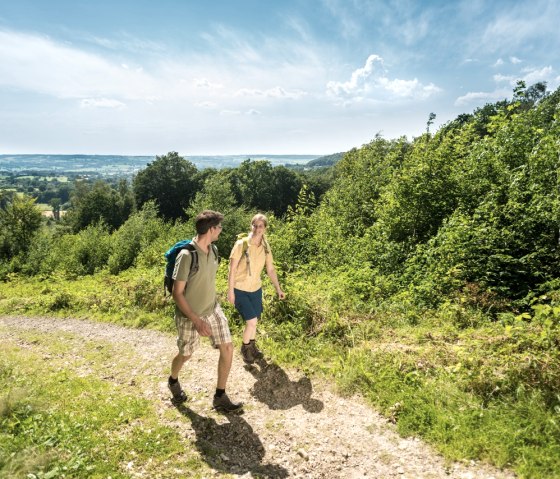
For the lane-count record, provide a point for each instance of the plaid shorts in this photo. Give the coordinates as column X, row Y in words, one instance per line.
column 188, row 338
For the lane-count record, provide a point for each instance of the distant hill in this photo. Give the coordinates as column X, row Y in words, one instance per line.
column 122, row 165
column 327, row 160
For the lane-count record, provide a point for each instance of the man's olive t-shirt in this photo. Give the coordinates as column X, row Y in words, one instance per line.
column 200, row 291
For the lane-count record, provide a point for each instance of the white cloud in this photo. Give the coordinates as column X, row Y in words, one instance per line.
column 125, row 42
column 371, row 81
column 36, row 63
column 205, row 83
column 536, row 75
column 276, row 92
column 499, row 78
column 482, row 97
column 499, row 63
column 253, row 112
column 529, row 76
column 101, row 103
column 359, row 79
column 509, row 31
column 228, row 41
column 515, row 60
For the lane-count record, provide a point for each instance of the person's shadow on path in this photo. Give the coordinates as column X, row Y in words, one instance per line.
column 231, row 447
column 274, row 388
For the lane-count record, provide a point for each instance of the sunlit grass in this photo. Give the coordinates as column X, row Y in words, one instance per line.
column 61, row 420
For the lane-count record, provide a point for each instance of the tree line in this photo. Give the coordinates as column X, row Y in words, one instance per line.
column 167, row 187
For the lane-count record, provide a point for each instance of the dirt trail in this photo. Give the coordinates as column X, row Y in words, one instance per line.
column 291, row 426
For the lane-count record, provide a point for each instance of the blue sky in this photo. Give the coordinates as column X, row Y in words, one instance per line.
column 239, row 77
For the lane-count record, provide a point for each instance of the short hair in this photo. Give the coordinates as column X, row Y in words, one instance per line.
column 259, row 217
column 206, row 220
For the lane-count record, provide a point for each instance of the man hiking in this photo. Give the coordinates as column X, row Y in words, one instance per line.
column 197, row 311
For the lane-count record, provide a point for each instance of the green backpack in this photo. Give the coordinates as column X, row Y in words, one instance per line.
column 171, row 257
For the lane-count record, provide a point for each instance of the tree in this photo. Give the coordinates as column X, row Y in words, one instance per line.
column 97, row 203
column 526, row 97
column 431, row 119
column 55, row 205
column 285, row 185
column 251, row 184
column 20, row 219
column 170, row 181
column 258, row 185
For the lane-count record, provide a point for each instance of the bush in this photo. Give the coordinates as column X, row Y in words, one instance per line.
column 139, row 231
column 77, row 254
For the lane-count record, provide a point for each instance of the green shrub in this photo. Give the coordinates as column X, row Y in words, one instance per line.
column 77, row 254
column 138, row 232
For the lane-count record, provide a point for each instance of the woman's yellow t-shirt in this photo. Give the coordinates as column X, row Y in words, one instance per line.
column 257, row 259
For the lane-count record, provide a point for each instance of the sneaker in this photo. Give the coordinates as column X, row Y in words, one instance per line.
column 247, row 353
column 257, row 353
column 179, row 395
column 224, row 404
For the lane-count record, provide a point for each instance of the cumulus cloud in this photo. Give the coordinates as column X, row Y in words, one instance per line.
column 372, row 82
column 515, row 60
column 499, row 63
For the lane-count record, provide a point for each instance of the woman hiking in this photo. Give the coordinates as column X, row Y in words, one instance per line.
column 248, row 258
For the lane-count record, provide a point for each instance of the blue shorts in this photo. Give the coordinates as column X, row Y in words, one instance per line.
column 249, row 305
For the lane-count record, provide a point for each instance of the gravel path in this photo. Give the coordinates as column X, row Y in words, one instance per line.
column 291, row 426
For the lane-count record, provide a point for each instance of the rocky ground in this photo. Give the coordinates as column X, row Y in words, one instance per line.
column 291, row 426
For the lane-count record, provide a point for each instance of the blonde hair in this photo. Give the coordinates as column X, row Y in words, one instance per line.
column 259, row 217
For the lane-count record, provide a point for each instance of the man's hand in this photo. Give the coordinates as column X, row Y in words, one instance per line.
column 231, row 297
column 202, row 328
column 281, row 294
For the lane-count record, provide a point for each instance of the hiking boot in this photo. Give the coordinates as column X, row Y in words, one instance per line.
column 224, row 404
column 179, row 395
column 257, row 353
column 247, row 353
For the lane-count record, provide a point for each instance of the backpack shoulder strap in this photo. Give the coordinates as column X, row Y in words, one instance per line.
column 216, row 252
column 245, row 246
column 194, row 258
column 266, row 246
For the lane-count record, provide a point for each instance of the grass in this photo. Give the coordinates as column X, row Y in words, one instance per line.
column 61, row 420
column 473, row 388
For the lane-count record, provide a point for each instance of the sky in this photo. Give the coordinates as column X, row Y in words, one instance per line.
column 228, row 77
